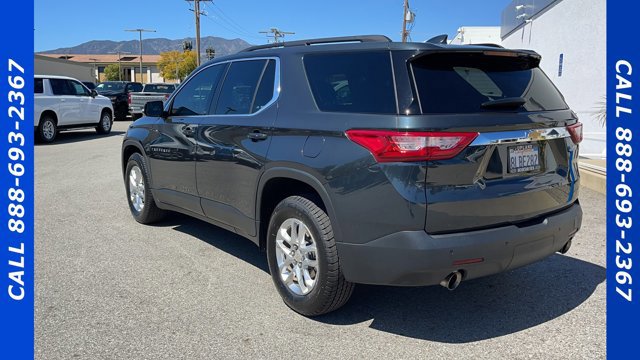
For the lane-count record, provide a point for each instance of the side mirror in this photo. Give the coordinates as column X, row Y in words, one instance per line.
column 154, row 109
column 94, row 93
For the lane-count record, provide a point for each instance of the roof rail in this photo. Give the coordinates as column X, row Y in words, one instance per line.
column 330, row 40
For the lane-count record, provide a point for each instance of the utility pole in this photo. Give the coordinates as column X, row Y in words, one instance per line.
column 276, row 34
column 404, row 21
column 95, row 75
column 196, row 10
column 140, row 31
column 119, row 62
column 408, row 17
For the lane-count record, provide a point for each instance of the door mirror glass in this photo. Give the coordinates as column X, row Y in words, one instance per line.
column 154, row 109
column 94, row 93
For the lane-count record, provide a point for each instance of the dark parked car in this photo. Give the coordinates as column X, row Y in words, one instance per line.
column 118, row 92
column 90, row 85
column 361, row 160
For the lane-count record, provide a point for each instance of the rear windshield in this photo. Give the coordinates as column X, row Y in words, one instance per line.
column 165, row 89
column 352, row 82
column 461, row 83
column 109, row 86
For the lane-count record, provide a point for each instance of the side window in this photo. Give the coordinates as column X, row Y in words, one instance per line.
column 77, row 88
column 61, row 87
column 195, row 96
column 134, row 87
column 265, row 90
column 239, row 87
column 352, row 82
column 38, row 86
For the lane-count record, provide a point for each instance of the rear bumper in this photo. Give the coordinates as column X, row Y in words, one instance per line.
column 413, row 258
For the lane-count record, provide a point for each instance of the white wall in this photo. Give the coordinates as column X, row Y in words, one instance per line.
column 48, row 66
column 477, row 35
column 577, row 29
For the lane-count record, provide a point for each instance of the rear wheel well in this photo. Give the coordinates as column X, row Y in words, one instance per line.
column 276, row 190
column 49, row 113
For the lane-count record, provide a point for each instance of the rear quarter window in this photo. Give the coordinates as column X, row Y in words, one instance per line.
column 352, row 82
column 38, row 86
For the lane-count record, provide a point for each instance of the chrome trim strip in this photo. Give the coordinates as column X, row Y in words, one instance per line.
column 520, row 136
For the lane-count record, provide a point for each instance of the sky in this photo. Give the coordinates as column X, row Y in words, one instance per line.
column 67, row 23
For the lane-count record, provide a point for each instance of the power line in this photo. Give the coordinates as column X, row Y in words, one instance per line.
column 232, row 30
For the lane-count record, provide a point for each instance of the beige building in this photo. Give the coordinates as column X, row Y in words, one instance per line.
column 45, row 65
column 129, row 65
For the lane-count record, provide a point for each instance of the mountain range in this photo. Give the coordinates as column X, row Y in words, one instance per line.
column 153, row 46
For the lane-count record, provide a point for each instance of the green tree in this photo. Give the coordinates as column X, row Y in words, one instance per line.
column 176, row 65
column 111, row 72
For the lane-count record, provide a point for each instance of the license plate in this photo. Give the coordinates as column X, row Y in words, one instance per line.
column 523, row 158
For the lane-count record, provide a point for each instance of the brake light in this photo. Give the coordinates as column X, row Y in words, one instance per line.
column 576, row 132
column 388, row 146
column 129, row 98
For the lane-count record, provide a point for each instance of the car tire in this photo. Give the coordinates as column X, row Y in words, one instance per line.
column 311, row 256
column 139, row 197
column 47, row 129
column 105, row 124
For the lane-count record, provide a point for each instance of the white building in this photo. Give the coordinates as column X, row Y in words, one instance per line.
column 477, row 35
column 571, row 37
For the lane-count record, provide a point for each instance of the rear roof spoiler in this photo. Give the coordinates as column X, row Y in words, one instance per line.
column 440, row 39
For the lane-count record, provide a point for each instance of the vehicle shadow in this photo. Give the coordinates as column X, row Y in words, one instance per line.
column 68, row 137
column 479, row 309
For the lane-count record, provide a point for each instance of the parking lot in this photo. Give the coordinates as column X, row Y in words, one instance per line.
column 110, row 288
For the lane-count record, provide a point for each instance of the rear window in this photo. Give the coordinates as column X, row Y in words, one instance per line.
column 165, row 89
column 461, row 83
column 352, row 82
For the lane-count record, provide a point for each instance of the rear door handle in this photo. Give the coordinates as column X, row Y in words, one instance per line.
column 257, row 135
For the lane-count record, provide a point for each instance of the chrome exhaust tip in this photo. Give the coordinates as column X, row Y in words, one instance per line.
column 452, row 281
column 566, row 247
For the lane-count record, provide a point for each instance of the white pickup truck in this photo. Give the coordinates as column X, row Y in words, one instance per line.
column 150, row 92
column 62, row 103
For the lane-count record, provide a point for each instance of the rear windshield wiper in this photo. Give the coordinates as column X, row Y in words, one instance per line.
column 505, row 103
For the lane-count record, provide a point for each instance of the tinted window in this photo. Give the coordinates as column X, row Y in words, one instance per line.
column 110, row 86
column 196, row 95
column 135, row 87
column 265, row 90
column 460, row 83
column 158, row 88
column 239, row 87
column 354, row 82
column 38, row 86
column 77, row 88
column 61, row 87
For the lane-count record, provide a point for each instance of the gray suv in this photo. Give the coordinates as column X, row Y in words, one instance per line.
column 361, row 160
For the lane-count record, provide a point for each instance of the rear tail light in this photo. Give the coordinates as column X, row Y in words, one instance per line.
column 576, row 132
column 129, row 98
column 388, row 146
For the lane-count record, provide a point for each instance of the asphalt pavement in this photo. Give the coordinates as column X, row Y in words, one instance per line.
column 110, row 288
